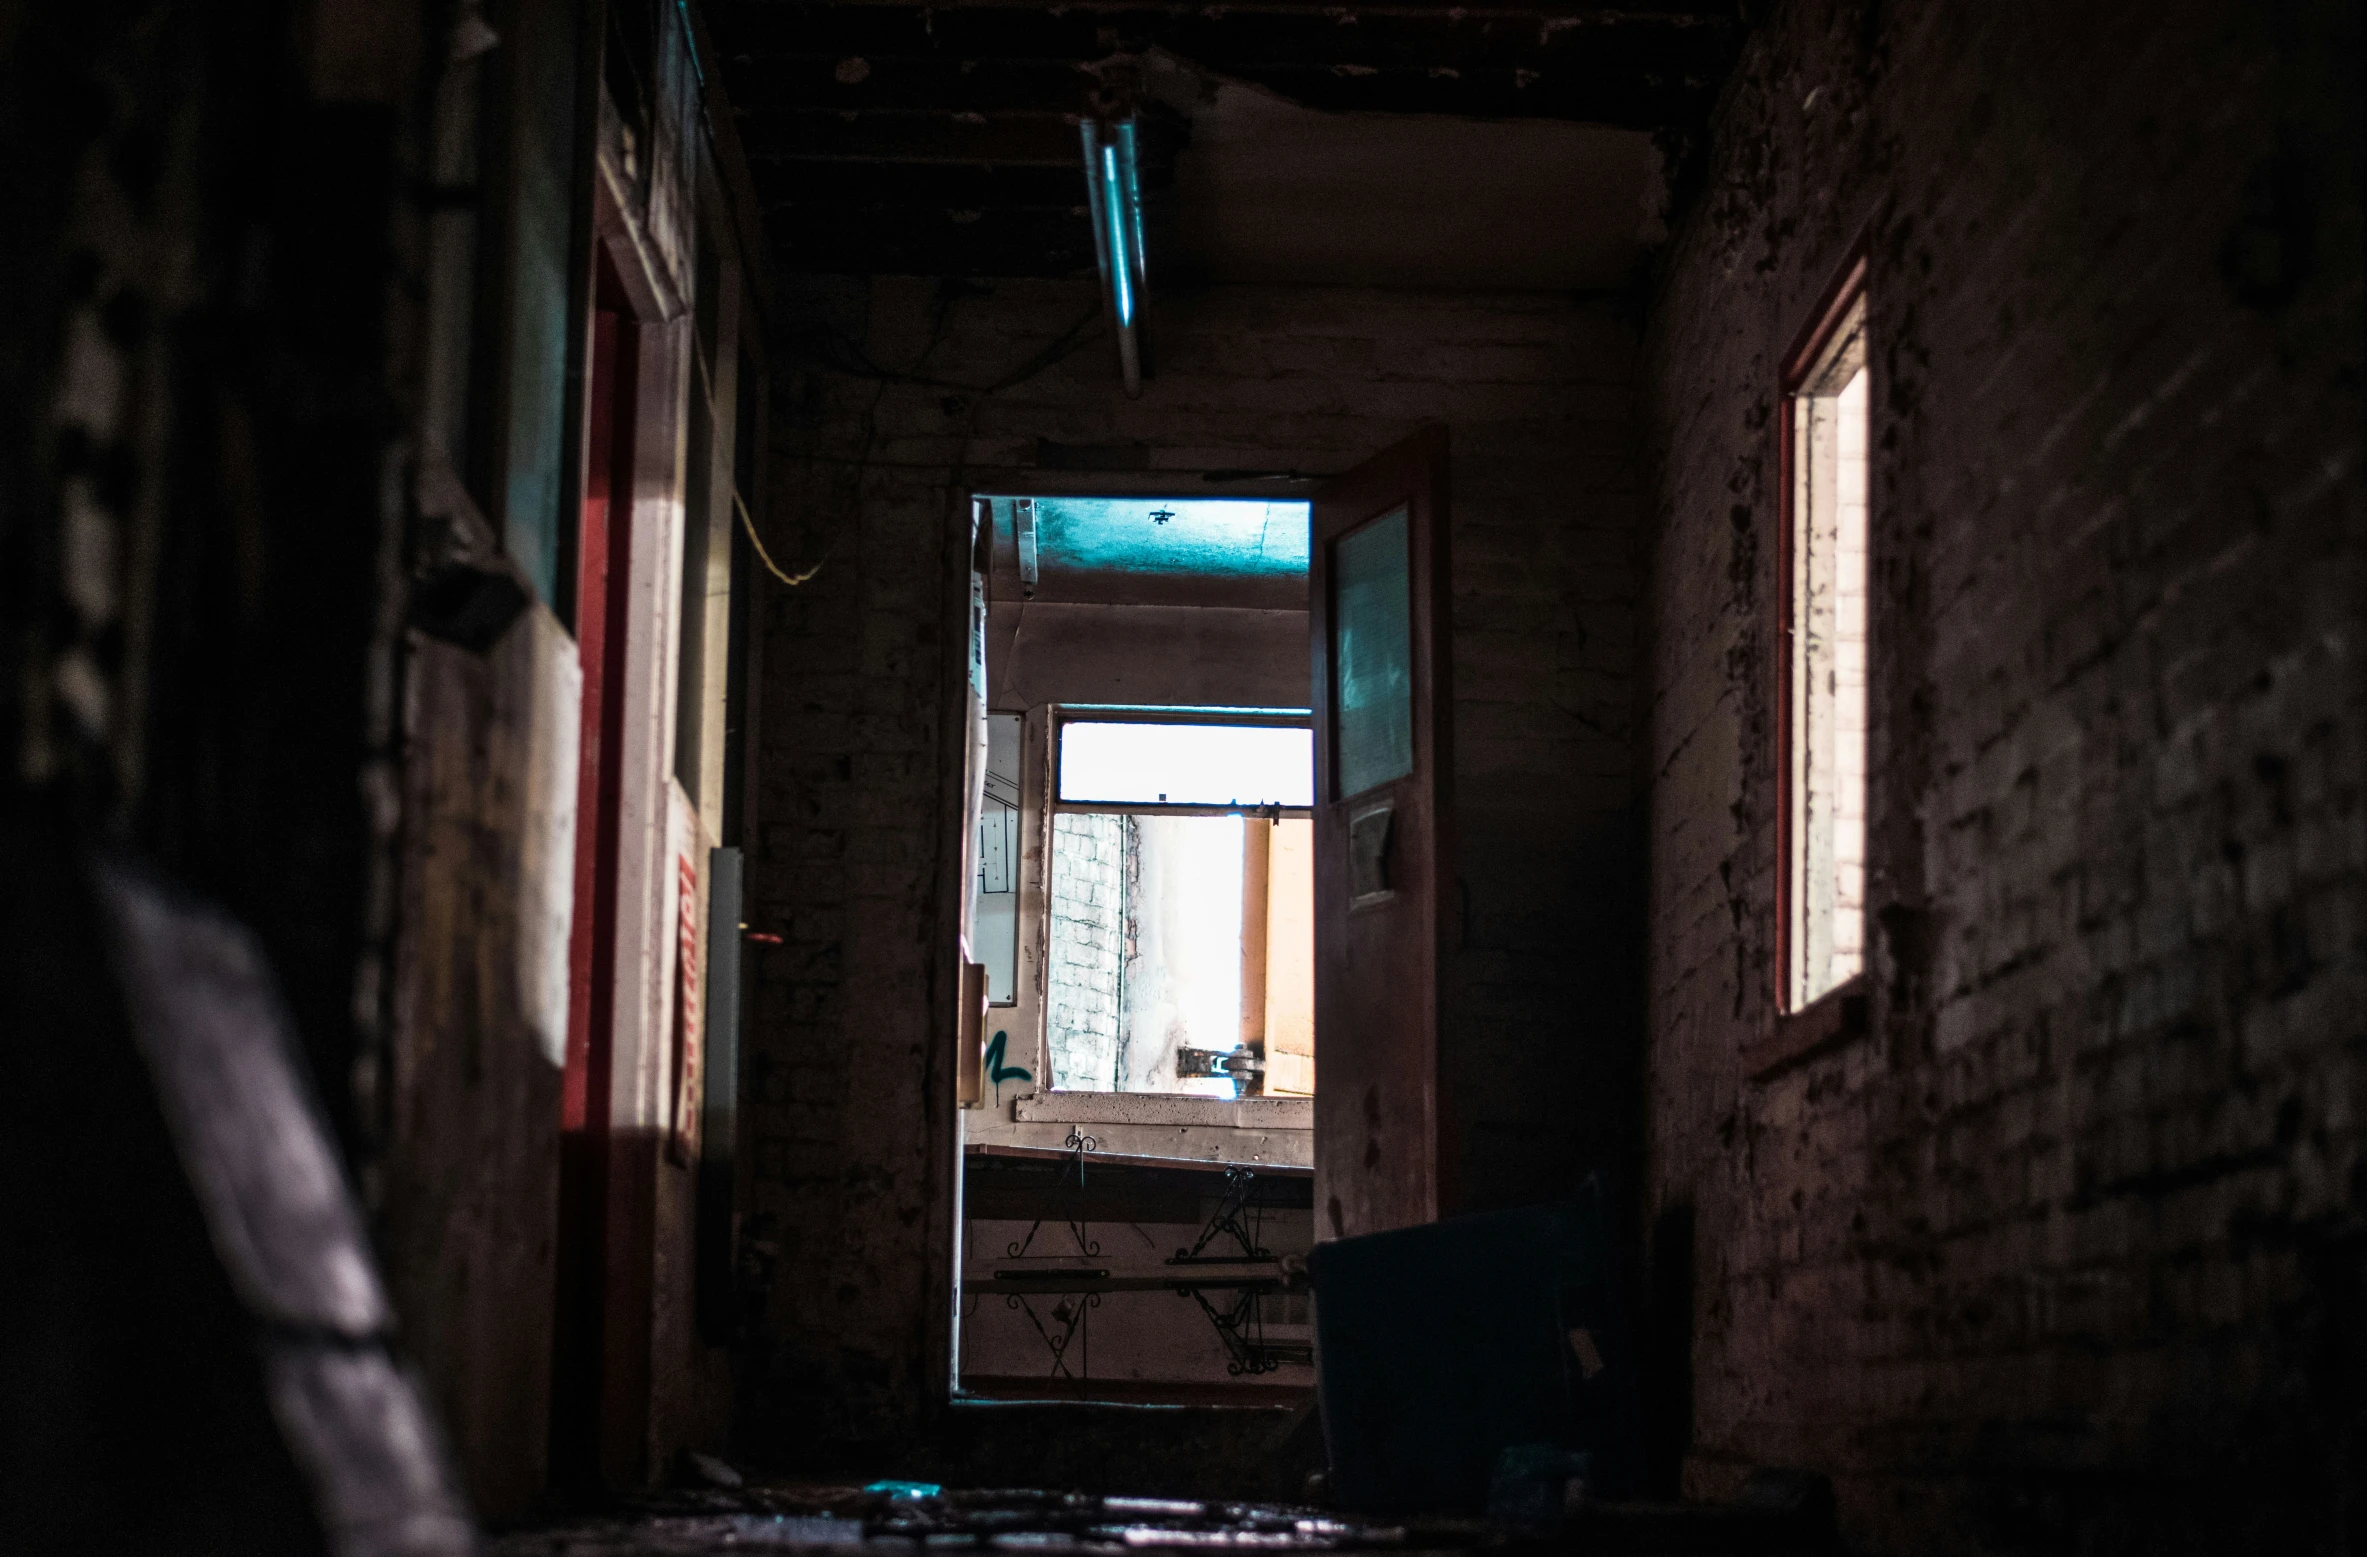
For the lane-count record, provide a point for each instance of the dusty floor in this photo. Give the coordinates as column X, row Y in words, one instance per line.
column 895, row 1518
column 822, row 1517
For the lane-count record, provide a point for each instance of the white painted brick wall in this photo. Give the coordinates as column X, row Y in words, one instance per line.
column 1087, row 957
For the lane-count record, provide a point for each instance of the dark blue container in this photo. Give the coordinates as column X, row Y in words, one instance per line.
column 1440, row 1346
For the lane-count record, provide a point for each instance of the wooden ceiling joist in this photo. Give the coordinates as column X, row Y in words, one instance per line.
column 964, row 111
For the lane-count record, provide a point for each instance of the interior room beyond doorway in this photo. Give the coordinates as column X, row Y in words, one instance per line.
column 1137, row 1167
column 1142, row 893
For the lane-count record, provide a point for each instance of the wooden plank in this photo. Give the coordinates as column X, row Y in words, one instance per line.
column 970, row 1053
column 1256, row 832
column 1132, row 1160
column 1290, row 961
column 1201, row 1279
column 1234, row 1394
column 1154, row 1108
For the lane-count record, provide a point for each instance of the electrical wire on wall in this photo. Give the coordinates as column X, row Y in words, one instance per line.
column 1064, row 345
column 841, row 354
column 749, row 524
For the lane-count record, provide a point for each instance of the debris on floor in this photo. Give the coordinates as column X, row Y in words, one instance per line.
column 913, row 1516
column 895, row 1517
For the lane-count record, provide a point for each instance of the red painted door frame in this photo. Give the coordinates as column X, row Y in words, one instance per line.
column 580, row 1381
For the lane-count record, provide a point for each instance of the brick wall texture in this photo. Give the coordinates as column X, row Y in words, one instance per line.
column 1085, row 958
column 887, row 405
column 2065, row 1251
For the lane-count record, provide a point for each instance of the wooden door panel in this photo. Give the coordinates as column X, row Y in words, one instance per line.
column 1381, row 635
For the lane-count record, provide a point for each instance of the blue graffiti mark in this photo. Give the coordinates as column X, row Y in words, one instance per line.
column 996, row 1071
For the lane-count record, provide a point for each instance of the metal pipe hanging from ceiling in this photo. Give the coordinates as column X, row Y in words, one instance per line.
column 1113, row 197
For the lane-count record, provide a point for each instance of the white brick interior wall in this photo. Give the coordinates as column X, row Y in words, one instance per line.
column 1085, row 959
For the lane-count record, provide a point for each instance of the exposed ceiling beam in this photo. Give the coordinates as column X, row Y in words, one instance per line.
column 944, row 135
column 1339, row 12
column 1638, row 71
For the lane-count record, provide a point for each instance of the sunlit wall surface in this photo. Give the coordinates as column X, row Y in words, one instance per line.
column 1183, row 973
column 1145, row 950
column 1149, row 953
column 1122, row 762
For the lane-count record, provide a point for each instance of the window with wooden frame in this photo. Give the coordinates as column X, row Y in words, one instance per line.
column 1180, row 903
column 1822, row 731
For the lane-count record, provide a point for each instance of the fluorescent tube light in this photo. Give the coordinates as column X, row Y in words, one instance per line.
column 1113, row 198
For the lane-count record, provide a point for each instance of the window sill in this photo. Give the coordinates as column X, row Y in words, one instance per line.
column 1152, row 1108
column 1833, row 1019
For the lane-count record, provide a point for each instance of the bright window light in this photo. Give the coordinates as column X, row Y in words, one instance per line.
column 1134, row 762
column 1825, row 729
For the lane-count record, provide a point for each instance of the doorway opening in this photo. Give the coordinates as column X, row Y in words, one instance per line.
column 1137, row 1170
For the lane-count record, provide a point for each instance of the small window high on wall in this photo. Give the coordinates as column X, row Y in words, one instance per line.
column 1822, row 762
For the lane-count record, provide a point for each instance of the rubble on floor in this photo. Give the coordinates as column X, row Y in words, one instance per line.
column 916, row 1516
column 899, row 1517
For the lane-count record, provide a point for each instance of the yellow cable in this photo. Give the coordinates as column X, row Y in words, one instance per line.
column 749, row 524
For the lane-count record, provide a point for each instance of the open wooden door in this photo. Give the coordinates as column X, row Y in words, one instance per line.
column 1381, row 632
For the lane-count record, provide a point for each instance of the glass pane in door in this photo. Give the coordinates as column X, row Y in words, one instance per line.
column 1372, row 655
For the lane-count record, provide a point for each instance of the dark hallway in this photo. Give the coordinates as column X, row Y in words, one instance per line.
column 1107, row 774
